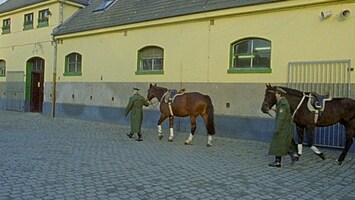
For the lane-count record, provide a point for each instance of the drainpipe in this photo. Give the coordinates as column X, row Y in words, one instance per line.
column 54, row 85
column 55, row 56
column 61, row 12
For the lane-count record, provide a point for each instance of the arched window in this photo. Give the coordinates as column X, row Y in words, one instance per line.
column 150, row 60
column 2, row 68
column 73, row 63
column 251, row 55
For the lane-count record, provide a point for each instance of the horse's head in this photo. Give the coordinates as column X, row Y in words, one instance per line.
column 269, row 99
column 155, row 92
column 151, row 92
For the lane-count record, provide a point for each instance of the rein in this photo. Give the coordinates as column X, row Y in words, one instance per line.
column 154, row 104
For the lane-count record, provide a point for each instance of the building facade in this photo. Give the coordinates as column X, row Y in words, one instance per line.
column 228, row 50
column 26, row 50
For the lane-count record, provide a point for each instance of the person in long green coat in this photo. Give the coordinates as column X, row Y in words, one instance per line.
column 135, row 107
column 282, row 142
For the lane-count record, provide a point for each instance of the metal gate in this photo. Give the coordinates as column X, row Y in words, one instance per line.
column 323, row 77
column 15, row 93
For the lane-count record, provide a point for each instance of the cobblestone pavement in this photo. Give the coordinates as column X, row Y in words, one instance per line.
column 60, row 158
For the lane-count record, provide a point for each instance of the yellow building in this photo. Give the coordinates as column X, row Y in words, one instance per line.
column 226, row 49
column 26, row 49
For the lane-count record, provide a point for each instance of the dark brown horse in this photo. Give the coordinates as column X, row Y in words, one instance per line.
column 192, row 104
column 337, row 110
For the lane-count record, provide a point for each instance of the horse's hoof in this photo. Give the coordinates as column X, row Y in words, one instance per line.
column 187, row 143
column 209, row 145
column 337, row 162
column 160, row 137
column 170, row 140
column 321, row 155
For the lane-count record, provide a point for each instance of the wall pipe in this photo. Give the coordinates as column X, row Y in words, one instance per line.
column 55, row 56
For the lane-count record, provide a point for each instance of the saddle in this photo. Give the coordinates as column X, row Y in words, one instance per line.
column 318, row 101
column 171, row 94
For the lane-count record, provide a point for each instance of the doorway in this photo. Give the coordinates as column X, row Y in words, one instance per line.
column 35, row 83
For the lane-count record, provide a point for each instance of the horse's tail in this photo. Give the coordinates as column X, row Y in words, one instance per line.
column 210, row 117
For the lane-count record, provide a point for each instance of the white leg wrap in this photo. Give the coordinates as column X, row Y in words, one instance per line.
column 171, row 133
column 160, row 130
column 189, row 139
column 315, row 150
column 209, row 139
column 299, row 147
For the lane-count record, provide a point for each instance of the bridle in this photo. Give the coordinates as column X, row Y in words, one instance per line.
column 304, row 95
column 155, row 104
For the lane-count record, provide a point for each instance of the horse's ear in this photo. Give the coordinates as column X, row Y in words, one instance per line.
column 155, row 85
column 268, row 85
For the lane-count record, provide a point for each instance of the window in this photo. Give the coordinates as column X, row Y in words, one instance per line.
column 37, row 65
column 2, row 68
column 73, row 64
column 150, row 60
column 6, row 26
column 28, row 21
column 250, row 55
column 104, row 5
column 43, row 18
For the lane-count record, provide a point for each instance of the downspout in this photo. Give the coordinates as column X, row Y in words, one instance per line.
column 55, row 56
column 54, row 85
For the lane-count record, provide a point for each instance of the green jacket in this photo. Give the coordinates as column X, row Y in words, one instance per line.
column 135, row 104
column 281, row 142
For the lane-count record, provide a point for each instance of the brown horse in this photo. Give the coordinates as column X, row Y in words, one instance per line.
column 191, row 104
column 337, row 110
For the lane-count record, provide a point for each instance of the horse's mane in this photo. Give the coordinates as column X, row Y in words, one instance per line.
column 292, row 92
column 160, row 88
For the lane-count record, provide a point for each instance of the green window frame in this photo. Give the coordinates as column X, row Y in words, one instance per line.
column 28, row 21
column 150, row 60
column 250, row 55
column 6, row 26
column 43, row 19
column 73, row 65
column 2, row 68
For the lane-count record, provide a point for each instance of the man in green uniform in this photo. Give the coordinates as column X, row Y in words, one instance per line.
column 282, row 141
column 135, row 106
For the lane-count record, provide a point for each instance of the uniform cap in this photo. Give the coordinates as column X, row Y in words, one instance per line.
column 280, row 91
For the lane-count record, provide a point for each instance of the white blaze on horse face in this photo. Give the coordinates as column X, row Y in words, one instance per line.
column 299, row 147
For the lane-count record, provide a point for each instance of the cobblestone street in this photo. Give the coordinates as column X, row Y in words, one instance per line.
column 62, row 158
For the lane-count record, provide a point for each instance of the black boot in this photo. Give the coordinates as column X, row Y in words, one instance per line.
column 139, row 137
column 294, row 157
column 277, row 162
column 130, row 135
